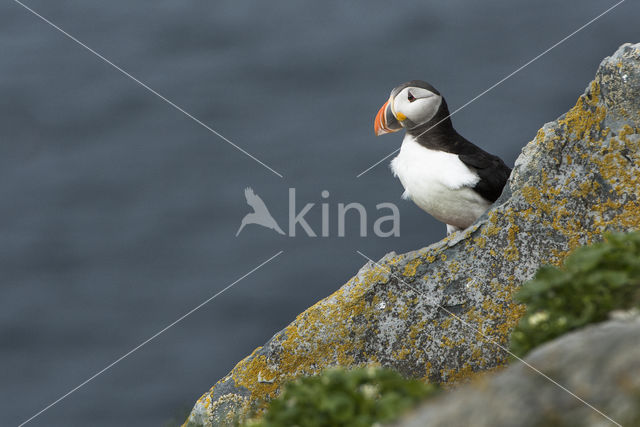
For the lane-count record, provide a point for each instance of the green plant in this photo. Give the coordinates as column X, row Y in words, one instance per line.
column 593, row 281
column 339, row 397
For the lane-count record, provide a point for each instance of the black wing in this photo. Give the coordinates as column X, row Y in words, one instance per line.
column 492, row 170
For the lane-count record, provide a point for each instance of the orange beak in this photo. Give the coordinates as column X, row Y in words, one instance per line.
column 385, row 121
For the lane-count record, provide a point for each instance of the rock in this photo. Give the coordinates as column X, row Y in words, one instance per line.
column 600, row 363
column 443, row 312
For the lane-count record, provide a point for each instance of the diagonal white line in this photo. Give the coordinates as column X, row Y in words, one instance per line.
column 168, row 101
column 499, row 82
column 474, row 329
column 151, row 338
column 378, row 162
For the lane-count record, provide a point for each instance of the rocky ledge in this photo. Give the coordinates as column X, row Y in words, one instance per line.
column 599, row 362
column 444, row 312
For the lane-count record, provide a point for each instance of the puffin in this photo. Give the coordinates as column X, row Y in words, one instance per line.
column 446, row 175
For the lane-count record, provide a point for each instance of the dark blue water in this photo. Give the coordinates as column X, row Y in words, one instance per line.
column 118, row 213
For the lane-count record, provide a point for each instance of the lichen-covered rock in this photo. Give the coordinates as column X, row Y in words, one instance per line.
column 601, row 363
column 579, row 177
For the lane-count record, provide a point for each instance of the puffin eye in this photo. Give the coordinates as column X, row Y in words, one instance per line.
column 410, row 97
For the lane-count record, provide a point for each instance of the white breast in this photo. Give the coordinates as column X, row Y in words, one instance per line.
column 439, row 183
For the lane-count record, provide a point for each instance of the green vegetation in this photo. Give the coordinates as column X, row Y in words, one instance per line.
column 339, row 397
column 593, row 281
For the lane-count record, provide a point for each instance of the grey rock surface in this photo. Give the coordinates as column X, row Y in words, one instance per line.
column 600, row 364
column 444, row 312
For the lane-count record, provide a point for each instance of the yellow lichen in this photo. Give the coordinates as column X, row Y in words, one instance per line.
column 457, row 375
column 480, row 241
column 323, row 335
column 411, row 266
column 586, row 115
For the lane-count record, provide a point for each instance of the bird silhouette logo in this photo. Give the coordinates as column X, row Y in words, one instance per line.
column 260, row 214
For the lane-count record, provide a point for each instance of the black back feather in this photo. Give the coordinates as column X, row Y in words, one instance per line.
column 439, row 134
column 492, row 170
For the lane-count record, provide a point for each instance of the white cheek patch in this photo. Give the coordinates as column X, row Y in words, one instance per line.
column 423, row 109
column 420, row 111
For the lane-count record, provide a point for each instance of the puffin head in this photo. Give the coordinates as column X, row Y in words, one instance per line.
column 409, row 106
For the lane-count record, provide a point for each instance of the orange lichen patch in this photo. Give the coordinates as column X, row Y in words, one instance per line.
column 454, row 267
column 428, row 367
column 250, row 371
column 302, row 349
column 490, row 229
column 629, row 217
column 565, row 221
column 457, row 375
column 476, row 352
column 512, row 253
column 396, row 260
column 239, row 404
column 585, row 189
column 402, row 353
column 446, row 323
column 411, row 266
column 556, row 257
column 533, row 196
column 480, row 242
column 586, row 116
column 499, row 310
column 205, row 400
column 613, row 161
column 615, row 164
column 391, row 297
column 416, row 329
column 406, row 307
